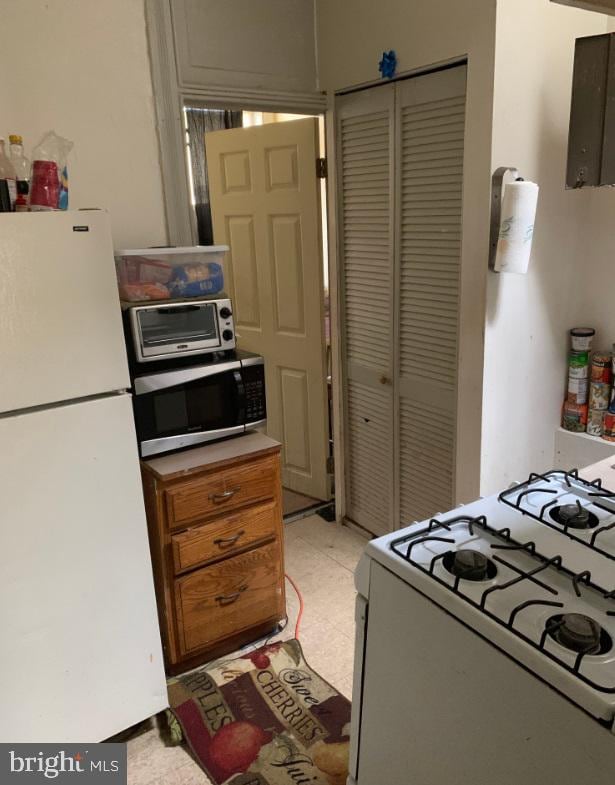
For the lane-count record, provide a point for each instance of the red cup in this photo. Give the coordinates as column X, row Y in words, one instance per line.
column 45, row 186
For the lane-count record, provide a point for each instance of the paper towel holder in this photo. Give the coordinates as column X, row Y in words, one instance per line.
column 497, row 184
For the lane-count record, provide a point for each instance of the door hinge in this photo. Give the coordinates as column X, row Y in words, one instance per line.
column 330, row 465
column 321, row 167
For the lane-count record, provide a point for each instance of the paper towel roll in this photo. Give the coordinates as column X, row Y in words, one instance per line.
column 516, row 227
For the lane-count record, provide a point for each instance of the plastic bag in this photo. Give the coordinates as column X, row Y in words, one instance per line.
column 49, row 180
column 193, row 280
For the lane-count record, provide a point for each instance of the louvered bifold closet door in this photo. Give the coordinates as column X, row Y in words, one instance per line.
column 365, row 135
column 430, row 138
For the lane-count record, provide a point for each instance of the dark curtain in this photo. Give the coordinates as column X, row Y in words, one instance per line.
column 201, row 122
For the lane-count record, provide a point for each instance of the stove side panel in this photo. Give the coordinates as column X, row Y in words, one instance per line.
column 441, row 705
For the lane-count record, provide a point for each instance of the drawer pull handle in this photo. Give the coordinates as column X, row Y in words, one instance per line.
column 226, row 542
column 218, row 498
column 228, row 599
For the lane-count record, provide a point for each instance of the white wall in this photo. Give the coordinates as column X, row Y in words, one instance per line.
column 81, row 67
column 266, row 45
column 528, row 316
column 351, row 36
column 594, row 283
column 527, row 85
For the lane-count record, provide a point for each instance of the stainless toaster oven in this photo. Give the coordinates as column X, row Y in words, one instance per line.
column 169, row 330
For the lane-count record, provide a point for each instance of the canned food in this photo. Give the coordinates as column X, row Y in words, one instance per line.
column 577, row 391
column 601, row 368
column 581, row 338
column 595, row 422
column 574, row 417
column 599, row 395
column 609, row 427
column 578, row 365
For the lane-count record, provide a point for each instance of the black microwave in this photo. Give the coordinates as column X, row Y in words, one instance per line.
column 195, row 404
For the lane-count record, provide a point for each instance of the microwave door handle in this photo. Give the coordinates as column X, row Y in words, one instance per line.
column 240, row 397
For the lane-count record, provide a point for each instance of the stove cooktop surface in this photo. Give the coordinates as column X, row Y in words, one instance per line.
column 533, row 571
column 581, row 510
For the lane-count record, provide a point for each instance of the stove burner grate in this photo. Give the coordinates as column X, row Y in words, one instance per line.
column 405, row 545
column 572, row 519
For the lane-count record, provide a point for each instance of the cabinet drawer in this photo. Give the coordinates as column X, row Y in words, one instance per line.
column 218, row 492
column 218, row 601
column 224, row 536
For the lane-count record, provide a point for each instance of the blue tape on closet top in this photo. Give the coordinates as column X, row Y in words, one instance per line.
column 388, row 64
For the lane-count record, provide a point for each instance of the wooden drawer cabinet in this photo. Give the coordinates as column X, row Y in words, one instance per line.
column 229, row 597
column 215, row 526
column 225, row 536
column 221, row 491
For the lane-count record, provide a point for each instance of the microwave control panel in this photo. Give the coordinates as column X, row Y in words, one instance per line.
column 254, row 386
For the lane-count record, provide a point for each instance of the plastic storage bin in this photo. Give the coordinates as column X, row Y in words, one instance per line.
column 167, row 273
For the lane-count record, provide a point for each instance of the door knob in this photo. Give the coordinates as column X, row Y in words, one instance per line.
column 385, row 380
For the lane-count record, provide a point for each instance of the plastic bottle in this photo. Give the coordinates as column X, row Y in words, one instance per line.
column 18, row 159
column 21, row 203
column 7, row 172
column 22, row 170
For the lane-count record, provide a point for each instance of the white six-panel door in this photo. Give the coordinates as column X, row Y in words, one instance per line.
column 265, row 203
column 400, row 167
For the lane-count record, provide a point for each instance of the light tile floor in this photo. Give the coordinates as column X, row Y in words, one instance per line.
column 320, row 558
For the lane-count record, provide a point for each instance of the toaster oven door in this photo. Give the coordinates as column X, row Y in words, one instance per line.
column 169, row 329
column 189, row 406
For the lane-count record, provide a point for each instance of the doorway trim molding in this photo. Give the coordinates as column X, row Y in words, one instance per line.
column 170, row 98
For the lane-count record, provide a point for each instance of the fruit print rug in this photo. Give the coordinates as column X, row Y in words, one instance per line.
column 265, row 718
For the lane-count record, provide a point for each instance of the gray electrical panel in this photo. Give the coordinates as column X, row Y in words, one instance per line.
column 591, row 140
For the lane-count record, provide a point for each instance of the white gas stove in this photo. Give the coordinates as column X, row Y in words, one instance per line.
column 491, row 628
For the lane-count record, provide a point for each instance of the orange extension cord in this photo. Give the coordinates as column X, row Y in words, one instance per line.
column 300, row 598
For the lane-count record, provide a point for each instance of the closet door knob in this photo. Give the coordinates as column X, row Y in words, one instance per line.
column 385, row 380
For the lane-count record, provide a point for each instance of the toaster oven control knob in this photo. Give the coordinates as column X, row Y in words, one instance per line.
column 227, row 335
column 225, row 312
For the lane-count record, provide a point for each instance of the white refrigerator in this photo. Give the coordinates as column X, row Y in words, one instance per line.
column 80, row 651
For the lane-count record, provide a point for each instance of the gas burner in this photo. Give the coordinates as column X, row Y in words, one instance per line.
column 507, row 579
column 574, row 516
column 579, row 633
column 470, row 565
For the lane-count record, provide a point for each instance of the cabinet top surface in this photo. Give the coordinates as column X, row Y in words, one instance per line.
column 169, row 467
column 603, row 470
